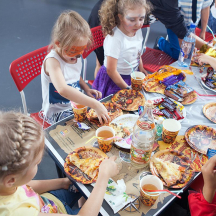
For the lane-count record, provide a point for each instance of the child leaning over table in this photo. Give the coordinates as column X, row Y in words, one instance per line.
column 206, row 59
column 61, row 69
column 21, row 148
column 121, row 22
column 205, row 203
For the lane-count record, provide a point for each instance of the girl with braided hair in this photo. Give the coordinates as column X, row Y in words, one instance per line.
column 121, row 22
column 21, row 150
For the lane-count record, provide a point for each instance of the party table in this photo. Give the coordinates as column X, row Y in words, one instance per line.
column 59, row 143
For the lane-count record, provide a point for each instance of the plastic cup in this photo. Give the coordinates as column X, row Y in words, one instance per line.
column 80, row 112
column 145, row 197
column 105, row 144
column 171, row 128
column 137, row 79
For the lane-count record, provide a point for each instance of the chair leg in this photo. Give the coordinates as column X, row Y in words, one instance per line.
column 60, row 172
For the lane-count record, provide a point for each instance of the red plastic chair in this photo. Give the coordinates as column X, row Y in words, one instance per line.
column 208, row 35
column 23, row 70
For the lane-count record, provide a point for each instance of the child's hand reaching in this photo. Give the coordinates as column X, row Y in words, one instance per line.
column 203, row 59
column 101, row 112
column 209, row 176
column 94, row 93
column 109, row 168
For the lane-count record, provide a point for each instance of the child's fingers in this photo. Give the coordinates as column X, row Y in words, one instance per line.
column 99, row 94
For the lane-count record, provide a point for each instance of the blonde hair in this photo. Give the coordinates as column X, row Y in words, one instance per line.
column 21, row 140
column 111, row 8
column 69, row 28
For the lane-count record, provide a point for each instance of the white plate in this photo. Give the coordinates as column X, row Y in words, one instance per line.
column 203, row 76
column 127, row 120
column 183, row 110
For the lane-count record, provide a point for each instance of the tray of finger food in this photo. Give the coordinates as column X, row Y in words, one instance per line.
column 83, row 163
column 172, row 167
column 208, row 80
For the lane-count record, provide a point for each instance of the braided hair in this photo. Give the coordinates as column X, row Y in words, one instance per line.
column 21, row 140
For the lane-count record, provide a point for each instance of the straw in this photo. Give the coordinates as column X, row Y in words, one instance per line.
column 95, row 137
column 131, row 67
column 211, row 31
column 74, row 105
column 164, row 191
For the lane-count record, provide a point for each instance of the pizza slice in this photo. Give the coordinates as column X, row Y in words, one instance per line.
column 170, row 172
column 90, row 165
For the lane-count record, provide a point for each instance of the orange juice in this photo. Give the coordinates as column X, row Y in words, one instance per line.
column 105, row 134
column 149, row 187
column 79, row 106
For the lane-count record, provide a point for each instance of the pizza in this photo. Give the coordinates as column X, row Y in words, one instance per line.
column 121, row 131
column 113, row 112
column 128, row 99
column 83, row 164
column 170, row 172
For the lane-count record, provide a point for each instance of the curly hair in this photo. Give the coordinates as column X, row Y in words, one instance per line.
column 21, row 140
column 69, row 29
column 110, row 9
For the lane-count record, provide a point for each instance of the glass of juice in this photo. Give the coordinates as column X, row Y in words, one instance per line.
column 149, row 182
column 105, row 138
column 137, row 79
column 79, row 111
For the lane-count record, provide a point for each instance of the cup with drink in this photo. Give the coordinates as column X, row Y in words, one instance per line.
column 171, row 128
column 137, row 79
column 79, row 111
column 105, row 137
column 149, row 182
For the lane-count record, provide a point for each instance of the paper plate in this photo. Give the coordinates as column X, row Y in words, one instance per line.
column 128, row 99
column 209, row 110
column 201, row 137
column 202, row 82
column 127, row 120
column 174, row 157
column 183, row 110
column 191, row 98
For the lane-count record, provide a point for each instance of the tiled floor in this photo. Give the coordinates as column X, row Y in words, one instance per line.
column 25, row 26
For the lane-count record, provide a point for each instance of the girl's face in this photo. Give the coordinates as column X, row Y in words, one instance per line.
column 71, row 56
column 132, row 21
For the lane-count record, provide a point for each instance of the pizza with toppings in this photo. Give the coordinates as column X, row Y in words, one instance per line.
column 128, row 99
column 83, row 164
column 121, row 131
column 170, row 172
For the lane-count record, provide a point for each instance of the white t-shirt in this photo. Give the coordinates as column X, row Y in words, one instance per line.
column 53, row 102
column 121, row 46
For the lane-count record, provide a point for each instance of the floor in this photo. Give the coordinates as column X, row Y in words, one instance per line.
column 25, row 26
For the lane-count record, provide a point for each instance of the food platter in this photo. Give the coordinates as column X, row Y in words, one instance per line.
column 201, row 137
column 128, row 121
column 183, row 111
column 83, row 153
column 203, row 83
column 175, row 157
column 128, row 99
column 209, row 110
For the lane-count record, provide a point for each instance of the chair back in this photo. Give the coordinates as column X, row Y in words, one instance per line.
column 24, row 69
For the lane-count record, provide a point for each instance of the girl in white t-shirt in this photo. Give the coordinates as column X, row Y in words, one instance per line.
column 121, row 21
column 60, row 74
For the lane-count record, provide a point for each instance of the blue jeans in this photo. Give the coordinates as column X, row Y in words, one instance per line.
column 68, row 199
column 170, row 47
column 212, row 23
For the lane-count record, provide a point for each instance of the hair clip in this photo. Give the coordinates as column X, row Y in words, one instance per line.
column 4, row 168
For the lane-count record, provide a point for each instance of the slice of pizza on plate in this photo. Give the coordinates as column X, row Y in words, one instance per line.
column 170, row 172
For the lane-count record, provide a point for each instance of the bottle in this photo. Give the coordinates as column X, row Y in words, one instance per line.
column 159, row 126
column 187, row 48
column 144, row 132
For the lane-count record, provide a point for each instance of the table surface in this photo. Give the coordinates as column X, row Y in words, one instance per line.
column 194, row 116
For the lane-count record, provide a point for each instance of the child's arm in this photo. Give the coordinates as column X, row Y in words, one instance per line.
column 90, row 92
column 113, row 73
column 54, row 71
column 141, row 68
column 203, row 58
column 209, row 177
column 42, row 186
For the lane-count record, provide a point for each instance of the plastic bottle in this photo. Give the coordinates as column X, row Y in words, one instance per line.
column 144, row 132
column 159, row 126
column 187, row 48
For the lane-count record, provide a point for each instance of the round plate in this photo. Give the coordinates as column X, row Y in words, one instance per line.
column 203, row 76
column 191, row 98
column 201, row 137
column 174, row 157
column 74, row 171
column 209, row 110
column 128, row 99
column 127, row 120
column 183, row 110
